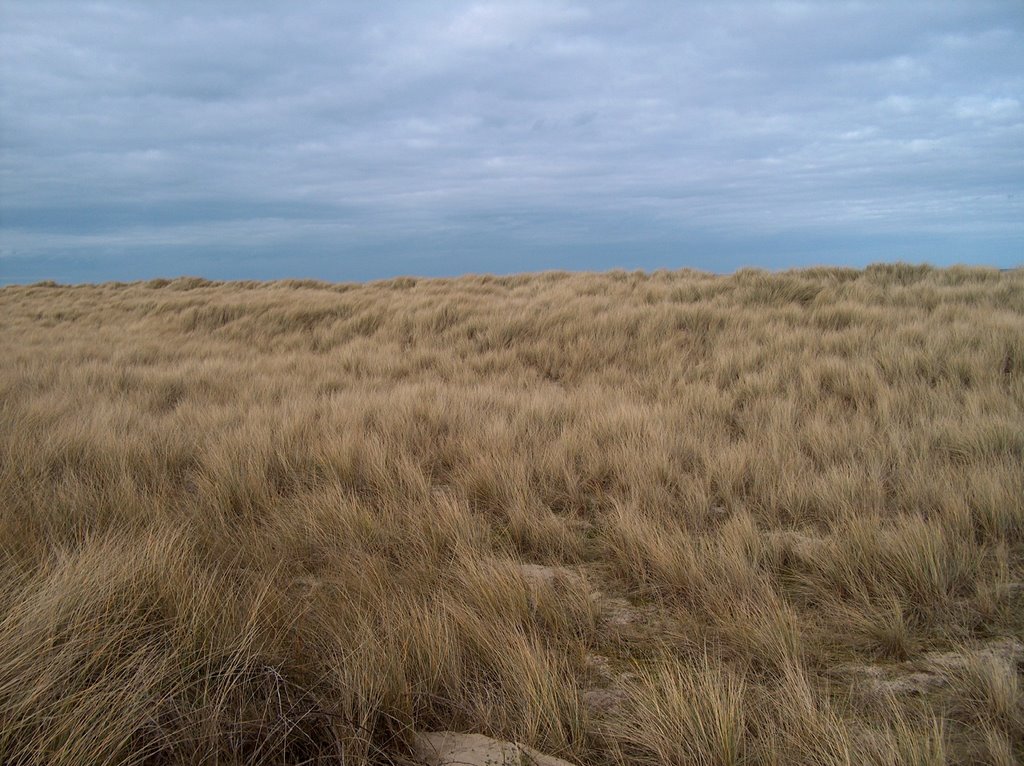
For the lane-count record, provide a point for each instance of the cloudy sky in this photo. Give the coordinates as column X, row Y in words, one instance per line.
column 351, row 140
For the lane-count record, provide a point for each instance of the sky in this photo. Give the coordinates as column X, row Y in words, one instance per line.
column 355, row 141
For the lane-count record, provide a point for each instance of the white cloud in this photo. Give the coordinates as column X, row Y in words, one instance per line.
column 489, row 25
column 988, row 108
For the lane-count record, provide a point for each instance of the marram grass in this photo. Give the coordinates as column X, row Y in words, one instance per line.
column 284, row 522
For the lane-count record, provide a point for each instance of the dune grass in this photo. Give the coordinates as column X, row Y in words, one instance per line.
column 285, row 522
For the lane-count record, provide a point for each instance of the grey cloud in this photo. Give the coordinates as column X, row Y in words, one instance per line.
column 479, row 131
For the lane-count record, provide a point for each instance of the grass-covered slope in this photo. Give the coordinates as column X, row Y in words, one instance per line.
column 779, row 518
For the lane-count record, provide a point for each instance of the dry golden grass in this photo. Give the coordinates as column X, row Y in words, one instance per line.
column 285, row 522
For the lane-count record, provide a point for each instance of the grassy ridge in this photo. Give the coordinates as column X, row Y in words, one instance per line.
column 285, row 522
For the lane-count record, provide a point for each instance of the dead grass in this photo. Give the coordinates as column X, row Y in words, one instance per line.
column 285, row 522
